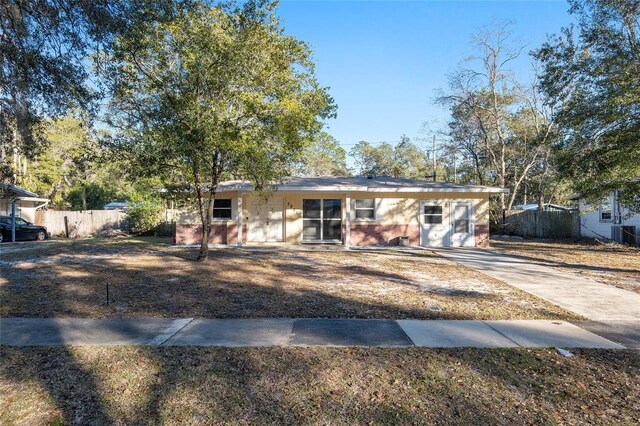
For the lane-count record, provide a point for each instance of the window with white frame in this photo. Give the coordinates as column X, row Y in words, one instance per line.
column 432, row 214
column 222, row 208
column 606, row 215
column 366, row 209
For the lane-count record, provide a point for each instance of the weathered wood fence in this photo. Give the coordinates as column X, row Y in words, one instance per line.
column 81, row 223
column 545, row 224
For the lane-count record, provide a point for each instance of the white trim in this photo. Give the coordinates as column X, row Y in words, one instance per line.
column 365, row 188
column 239, row 215
column 364, row 219
column 347, row 230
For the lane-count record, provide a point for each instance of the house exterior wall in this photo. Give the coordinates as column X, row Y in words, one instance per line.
column 24, row 209
column 592, row 227
column 396, row 215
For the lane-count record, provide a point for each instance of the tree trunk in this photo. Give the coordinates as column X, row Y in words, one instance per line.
column 84, row 197
column 542, row 189
column 206, row 226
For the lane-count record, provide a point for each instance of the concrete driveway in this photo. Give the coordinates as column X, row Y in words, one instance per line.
column 582, row 295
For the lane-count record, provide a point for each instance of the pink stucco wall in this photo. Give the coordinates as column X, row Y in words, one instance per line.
column 383, row 235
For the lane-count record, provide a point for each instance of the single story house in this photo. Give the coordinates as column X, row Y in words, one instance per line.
column 354, row 211
column 26, row 202
column 609, row 220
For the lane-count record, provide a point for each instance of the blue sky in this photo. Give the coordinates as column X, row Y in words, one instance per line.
column 383, row 60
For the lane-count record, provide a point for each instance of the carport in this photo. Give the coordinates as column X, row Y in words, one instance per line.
column 10, row 195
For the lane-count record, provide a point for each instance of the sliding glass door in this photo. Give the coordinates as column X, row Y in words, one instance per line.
column 322, row 220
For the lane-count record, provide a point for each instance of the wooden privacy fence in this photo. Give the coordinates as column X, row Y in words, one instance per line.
column 81, row 223
column 545, row 224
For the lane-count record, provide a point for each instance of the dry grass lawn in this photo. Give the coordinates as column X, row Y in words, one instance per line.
column 193, row 386
column 613, row 264
column 147, row 278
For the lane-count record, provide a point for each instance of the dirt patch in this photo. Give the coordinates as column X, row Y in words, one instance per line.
column 143, row 385
column 612, row 264
column 149, row 279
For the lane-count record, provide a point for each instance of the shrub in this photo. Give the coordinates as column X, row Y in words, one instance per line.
column 144, row 217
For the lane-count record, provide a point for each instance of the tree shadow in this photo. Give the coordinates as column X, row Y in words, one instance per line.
column 73, row 283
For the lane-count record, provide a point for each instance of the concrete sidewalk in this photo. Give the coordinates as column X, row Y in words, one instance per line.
column 576, row 293
column 298, row 332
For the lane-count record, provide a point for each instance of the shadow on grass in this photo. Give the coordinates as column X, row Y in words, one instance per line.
column 207, row 385
column 171, row 385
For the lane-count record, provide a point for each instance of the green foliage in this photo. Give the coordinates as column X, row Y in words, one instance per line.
column 90, row 196
column 216, row 90
column 404, row 160
column 322, row 157
column 597, row 69
column 46, row 48
column 144, row 217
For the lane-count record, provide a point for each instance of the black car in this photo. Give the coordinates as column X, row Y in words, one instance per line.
column 24, row 230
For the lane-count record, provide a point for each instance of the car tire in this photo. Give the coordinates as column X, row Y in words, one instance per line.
column 41, row 235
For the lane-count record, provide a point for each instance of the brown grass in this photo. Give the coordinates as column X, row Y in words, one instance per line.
column 612, row 264
column 189, row 386
column 147, row 278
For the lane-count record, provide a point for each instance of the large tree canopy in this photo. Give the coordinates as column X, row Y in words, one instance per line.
column 323, row 156
column 597, row 68
column 218, row 90
column 402, row 160
column 49, row 50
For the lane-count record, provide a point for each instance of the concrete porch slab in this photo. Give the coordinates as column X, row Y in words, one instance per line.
column 539, row 333
column 454, row 334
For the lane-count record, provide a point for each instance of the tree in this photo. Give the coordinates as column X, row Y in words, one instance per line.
column 216, row 90
column 404, row 160
column 505, row 128
column 598, row 71
column 322, row 157
column 44, row 47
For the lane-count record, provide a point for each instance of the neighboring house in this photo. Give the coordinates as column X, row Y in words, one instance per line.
column 354, row 211
column 548, row 207
column 120, row 205
column 26, row 202
column 609, row 220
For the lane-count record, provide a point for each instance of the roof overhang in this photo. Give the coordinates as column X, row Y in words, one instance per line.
column 16, row 191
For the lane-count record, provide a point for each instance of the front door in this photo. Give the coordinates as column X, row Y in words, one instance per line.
column 433, row 227
column 266, row 220
column 322, row 220
column 461, row 225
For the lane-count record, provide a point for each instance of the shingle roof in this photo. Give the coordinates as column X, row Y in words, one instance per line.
column 365, row 184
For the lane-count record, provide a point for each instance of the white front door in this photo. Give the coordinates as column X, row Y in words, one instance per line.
column 462, row 224
column 433, row 226
column 266, row 220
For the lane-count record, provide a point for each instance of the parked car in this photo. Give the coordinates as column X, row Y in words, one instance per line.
column 24, row 230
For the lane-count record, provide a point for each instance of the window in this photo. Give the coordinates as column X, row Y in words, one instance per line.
column 432, row 215
column 321, row 220
column 461, row 219
column 365, row 209
column 222, row 208
column 605, row 212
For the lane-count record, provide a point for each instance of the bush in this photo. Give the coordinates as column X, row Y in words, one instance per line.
column 144, row 217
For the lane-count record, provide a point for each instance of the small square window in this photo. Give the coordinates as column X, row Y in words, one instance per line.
column 365, row 209
column 222, row 208
column 605, row 212
column 432, row 215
